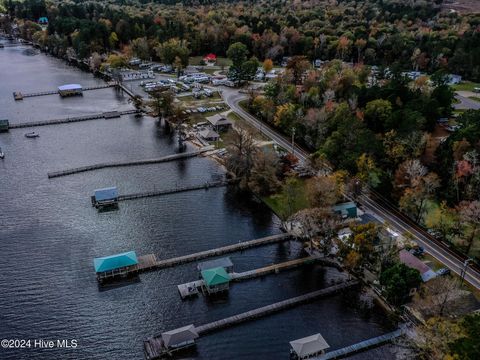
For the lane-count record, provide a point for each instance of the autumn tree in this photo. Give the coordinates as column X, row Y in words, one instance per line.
column 469, row 213
column 263, row 178
column 241, row 155
column 324, row 191
column 169, row 50
column 267, row 65
column 297, row 66
column 397, row 281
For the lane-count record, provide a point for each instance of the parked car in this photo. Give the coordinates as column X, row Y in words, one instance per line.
column 443, row 272
column 418, row 251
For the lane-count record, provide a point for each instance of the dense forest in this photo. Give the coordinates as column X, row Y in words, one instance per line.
column 413, row 34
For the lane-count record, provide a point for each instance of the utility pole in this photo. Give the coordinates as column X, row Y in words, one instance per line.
column 293, row 140
column 464, row 270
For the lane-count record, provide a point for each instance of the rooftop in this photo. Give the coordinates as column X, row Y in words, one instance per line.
column 117, row 261
column 70, row 87
column 180, row 335
column 218, row 119
column 309, row 345
column 215, row 276
column 415, row 263
column 106, row 193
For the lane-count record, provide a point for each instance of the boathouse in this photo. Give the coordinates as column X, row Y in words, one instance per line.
column 225, row 263
column 105, row 197
column 4, row 125
column 219, row 122
column 216, row 280
column 119, row 263
column 308, row 346
column 70, row 90
column 180, row 338
column 347, row 210
column 209, row 135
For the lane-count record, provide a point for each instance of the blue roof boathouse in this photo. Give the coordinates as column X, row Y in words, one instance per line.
column 105, row 197
column 115, row 264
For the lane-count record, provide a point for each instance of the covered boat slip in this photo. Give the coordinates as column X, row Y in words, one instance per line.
column 170, row 341
column 224, row 262
column 113, row 262
column 70, row 90
column 105, row 196
column 309, row 346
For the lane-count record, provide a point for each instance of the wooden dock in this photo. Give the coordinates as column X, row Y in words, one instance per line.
column 107, row 115
column 192, row 288
column 163, row 159
column 162, row 264
column 147, row 194
column 363, row 345
column 153, row 343
column 18, row 95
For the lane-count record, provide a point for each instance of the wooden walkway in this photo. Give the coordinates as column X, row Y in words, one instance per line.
column 272, row 308
column 204, row 186
column 162, row 264
column 129, row 163
column 105, row 115
column 363, row 345
column 18, row 95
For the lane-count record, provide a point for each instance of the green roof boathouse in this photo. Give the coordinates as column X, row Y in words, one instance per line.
column 216, row 280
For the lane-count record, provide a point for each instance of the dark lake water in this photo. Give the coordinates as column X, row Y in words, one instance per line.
column 49, row 235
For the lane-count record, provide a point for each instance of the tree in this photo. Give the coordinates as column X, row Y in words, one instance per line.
column 377, row 113
column 469, row 213
column 297, row 65
column 398, row 281
column 263, row 178
column 467, row 345
column 241, row 154
column 267, row 65
column 141, row 48
column 169, row 50
column 323, row 191
column 368, row 172
column 116, row 61
column 237, row 52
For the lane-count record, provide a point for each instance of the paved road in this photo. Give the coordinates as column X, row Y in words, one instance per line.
column 437, row 250
column 466, row 103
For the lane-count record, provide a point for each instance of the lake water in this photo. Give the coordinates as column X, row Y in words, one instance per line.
column 49, row 235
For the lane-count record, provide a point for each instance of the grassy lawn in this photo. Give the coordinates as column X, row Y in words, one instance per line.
column 289, row 200
column 466, row 86
column 238, row 120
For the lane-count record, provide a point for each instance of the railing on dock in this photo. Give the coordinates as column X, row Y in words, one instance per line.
column 129, row 163
column 73, row 119
column 147, row 194
column 366, row 344
column 162, row 264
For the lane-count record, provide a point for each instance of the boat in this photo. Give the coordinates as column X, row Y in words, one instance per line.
column 31, row 135
column 2, row 154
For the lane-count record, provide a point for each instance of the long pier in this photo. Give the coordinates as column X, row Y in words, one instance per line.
column 104, row 115
column 148, row 194
column 162, row 264
column 129, row 163
column 18, row 95
column 363, row 345
column 152, row 351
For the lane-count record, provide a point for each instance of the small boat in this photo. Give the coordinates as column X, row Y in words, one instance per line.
column 31, row 135
column 2, row 154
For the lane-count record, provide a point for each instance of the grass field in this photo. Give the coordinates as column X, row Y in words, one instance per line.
column 466, row 86
column 289, row 200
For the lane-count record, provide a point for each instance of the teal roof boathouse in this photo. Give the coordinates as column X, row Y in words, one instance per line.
column 346, row 209
column 114, row 262
column 216, row 280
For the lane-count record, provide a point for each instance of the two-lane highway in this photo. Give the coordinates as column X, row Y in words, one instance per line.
column 440, row 252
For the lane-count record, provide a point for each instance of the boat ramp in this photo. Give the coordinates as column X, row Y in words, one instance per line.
column 163, row 159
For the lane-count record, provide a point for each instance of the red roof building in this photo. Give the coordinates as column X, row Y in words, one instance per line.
column 212, row 58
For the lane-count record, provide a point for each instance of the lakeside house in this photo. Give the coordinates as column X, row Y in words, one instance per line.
column 216, row 280
column 415, row 263
column 209, row 135
column 219, row 122
column 210, row 59
column 70, row 90
column 309, row 346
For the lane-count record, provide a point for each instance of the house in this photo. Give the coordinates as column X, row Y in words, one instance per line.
column 415, row 263
column 4, row 125
column 225, row 263
column 179, row 338
column 347, row 210
column 43, row 20
column 216, row 280
column 210, row 59
column 105, row 197
column 453, row 79
column 70, row 90
column 118, row 262
column 219, row 122
column 209, row 135
column 309, row 346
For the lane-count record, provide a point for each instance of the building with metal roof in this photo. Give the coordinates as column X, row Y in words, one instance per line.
column 309, row 346
column 346, row 209
column 180, row 337
column 225, row 263
column 209, row 135
column 105, row 196
column 216, row 280
column 70, row 90
column 4, row 125
column 415, row 263
column 115, row 262
column 219, row 122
